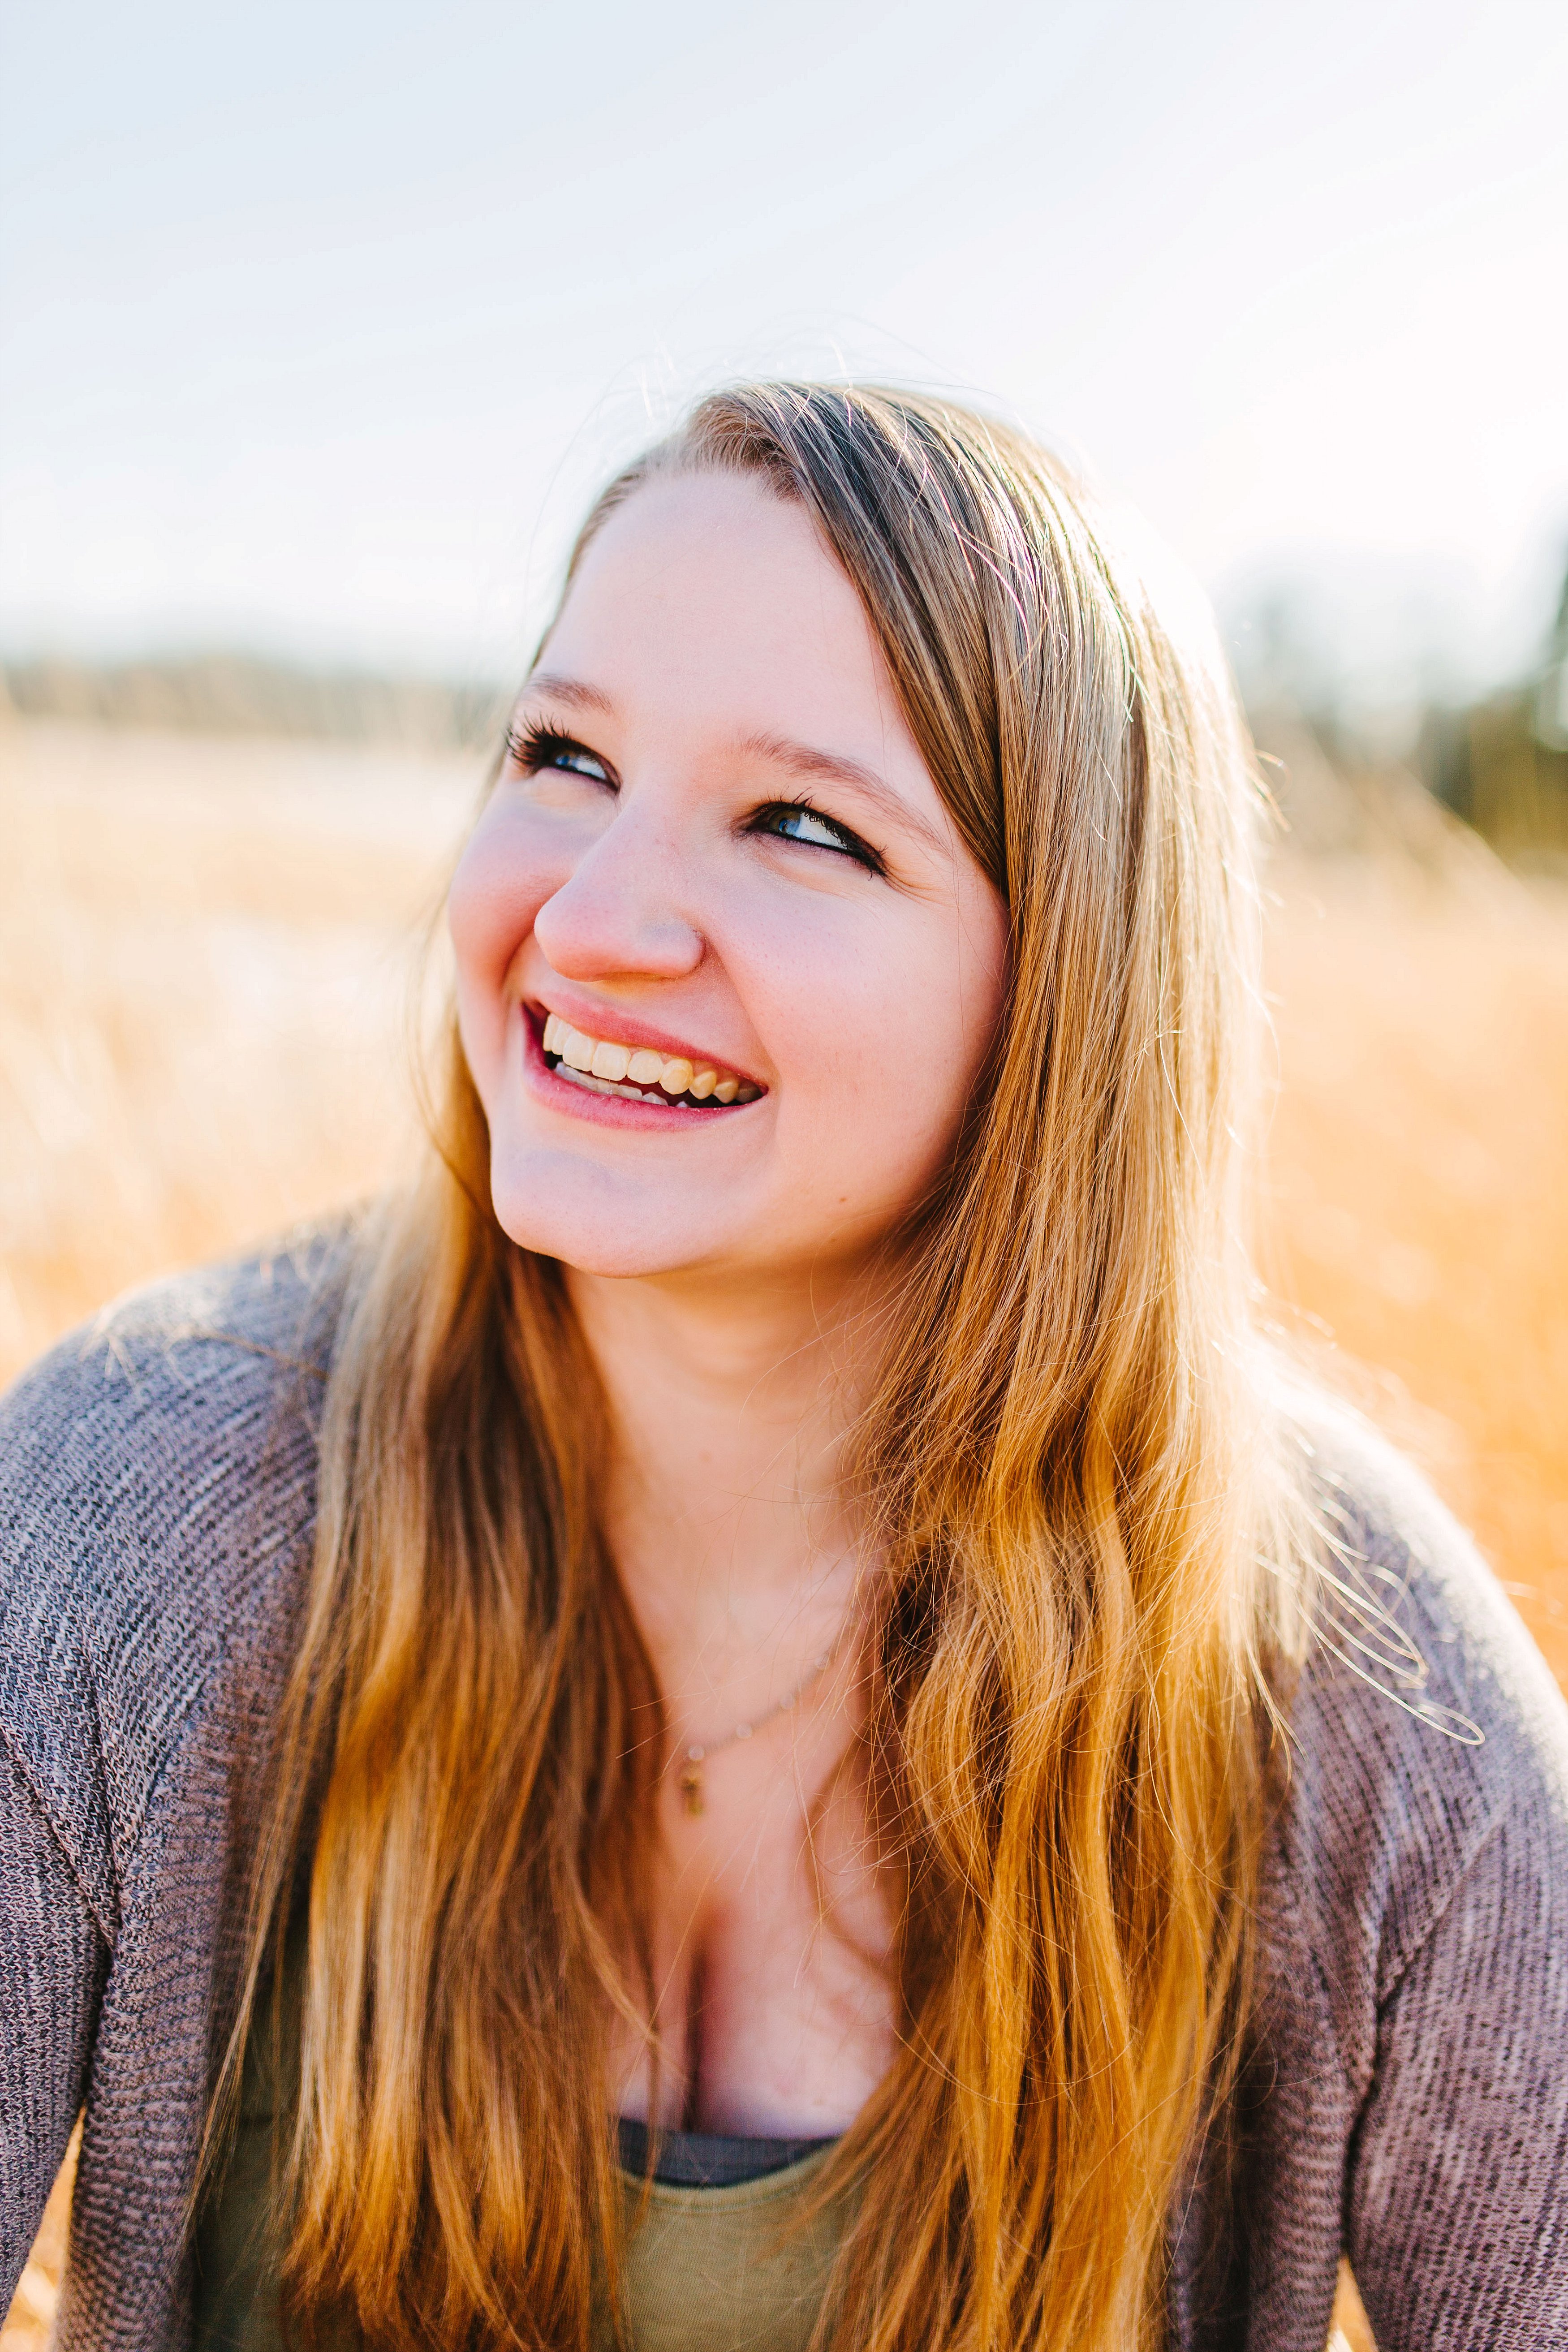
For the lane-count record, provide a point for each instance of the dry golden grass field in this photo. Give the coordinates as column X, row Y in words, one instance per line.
column 204, row 963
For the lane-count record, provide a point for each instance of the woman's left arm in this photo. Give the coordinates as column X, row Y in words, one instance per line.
column 1456, row 2212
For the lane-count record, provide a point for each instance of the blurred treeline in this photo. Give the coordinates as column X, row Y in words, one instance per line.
column 1502, row 764
column 1498, row 766
column 245, row 694
column 1416, row 782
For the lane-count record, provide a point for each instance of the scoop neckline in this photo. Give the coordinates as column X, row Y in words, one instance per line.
column 765, row 2188
column 712, row 2163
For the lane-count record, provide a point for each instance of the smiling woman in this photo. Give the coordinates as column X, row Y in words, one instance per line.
column 752, row 1714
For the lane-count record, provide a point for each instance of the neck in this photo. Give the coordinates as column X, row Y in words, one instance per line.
column 724, row 1503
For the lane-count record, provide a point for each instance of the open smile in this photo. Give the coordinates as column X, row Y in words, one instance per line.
column 607, row 1066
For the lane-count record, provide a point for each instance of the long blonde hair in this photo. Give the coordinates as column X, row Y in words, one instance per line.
column 1076, row 1489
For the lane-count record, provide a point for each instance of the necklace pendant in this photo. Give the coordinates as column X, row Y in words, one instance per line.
column 690, row 1787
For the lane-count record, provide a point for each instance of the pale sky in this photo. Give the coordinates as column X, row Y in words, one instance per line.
column 319, row 321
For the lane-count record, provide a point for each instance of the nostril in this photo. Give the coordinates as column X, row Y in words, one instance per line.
column 590, row 931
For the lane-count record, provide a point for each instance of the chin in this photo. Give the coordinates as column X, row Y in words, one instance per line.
column 594, row 1225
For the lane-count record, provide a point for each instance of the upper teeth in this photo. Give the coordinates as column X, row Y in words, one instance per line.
column 639, row 1066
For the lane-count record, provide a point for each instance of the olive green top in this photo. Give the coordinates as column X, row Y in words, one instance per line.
column 715, row 2270
column 737, row 2268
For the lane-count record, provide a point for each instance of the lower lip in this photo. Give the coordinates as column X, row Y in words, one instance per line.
column 613, row 1110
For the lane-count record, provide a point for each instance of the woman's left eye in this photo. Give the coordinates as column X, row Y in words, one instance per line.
column 797, row 821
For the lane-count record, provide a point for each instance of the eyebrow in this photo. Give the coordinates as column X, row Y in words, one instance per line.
column 811, row 765
column 573, row 691
column 804, row 760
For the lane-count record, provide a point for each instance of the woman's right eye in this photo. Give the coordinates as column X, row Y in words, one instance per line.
column 534, row 749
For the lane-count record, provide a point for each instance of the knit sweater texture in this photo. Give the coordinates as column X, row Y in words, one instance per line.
column 1409, row 2102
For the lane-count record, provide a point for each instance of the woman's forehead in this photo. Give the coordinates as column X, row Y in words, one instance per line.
column 722, row 558
column 708, row 600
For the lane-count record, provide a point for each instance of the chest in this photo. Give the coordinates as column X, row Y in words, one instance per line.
column 774, row 1993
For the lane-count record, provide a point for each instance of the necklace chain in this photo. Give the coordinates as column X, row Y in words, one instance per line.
column 691, row 1780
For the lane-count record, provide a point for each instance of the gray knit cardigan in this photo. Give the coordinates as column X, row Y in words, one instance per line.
column 1409, row 2101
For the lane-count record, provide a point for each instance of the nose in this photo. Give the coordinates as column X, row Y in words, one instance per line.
column 620, row 912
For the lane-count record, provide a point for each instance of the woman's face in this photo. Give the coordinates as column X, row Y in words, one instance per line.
column 717, row 873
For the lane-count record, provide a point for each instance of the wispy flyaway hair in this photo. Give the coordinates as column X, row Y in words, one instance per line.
column 1085, row 1533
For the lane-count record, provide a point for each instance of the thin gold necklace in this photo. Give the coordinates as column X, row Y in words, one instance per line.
column 689, row 1782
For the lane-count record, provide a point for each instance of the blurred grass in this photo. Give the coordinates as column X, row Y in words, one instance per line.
column 204, row 955
column 205, row 960
column 1418, row 1219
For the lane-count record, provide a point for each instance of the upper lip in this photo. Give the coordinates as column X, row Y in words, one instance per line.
column 615, row 1027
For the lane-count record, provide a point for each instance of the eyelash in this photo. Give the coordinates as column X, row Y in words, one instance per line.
column 849, row 843
column 537, row 747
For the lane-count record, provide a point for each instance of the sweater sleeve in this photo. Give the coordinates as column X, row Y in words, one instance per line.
column 53, row 1959
column 1456, row 2211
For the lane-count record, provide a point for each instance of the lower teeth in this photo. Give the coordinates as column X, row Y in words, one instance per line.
column 628, row 1093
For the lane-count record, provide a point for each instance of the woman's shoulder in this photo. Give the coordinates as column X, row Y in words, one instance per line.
column 127, row 1419
column 157, row 1473
column 1423, row 1725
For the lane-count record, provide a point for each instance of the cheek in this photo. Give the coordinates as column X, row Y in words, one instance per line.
column 495, row 893
column 924, row 1071
column 888, row 1073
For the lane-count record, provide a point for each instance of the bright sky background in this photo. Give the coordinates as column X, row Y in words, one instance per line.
column 321, row 319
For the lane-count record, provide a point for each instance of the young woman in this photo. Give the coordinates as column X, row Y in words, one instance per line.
column 749, row 1716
